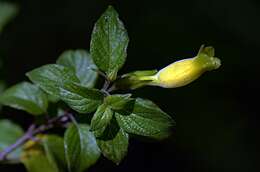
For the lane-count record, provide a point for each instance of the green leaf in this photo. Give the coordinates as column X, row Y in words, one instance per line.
column 147, row 119
column 54, row 149
column 81, row 99
column 9, row 133
column 114, row 145
column 109, row 43
column 101, row 118
column 120, row 102
column 53, row 99
column 25, row 96
column 62, row 82
column 81, row 62
column 7, row 12
column 51, row 78
column 36, row 161
column 81, row 149
column 41, row 155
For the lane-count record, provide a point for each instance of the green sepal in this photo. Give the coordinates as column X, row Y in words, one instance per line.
column 206, row 60
column 134, row 80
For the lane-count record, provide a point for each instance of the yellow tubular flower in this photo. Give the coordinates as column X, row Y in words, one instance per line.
column 185, row 71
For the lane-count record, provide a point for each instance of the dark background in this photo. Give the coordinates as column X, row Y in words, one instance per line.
column 217, row 118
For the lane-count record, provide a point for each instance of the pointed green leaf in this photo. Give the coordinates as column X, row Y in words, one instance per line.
column 81, row 62
column 62, row 82
column 25, row 96
column 54, row 149
column 81, row 149
column 114, row 145
column 101, row 118
column 109, row 43
column 9, row 133
column 7, row 12
column 147, row 119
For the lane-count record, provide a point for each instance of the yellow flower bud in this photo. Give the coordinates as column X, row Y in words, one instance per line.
column 185, row 71
column 177, row 74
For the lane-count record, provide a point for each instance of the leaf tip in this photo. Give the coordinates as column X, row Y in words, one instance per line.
column 110, row 7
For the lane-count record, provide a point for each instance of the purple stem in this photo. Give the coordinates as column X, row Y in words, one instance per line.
column 32, row 131
column 18, row 143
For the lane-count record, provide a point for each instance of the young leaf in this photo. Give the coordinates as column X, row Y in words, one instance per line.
column 114, row 145
column 147, row 119
column 25, row 96
column 81, row 62
column 62, row 82
column 81, row 149
column 54, row 150
column 9, row 133
column 120, row 102
column 109, row 43
column 36, row 161
column 101, row 118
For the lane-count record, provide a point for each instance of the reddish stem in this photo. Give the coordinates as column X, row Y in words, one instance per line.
column 32, row 131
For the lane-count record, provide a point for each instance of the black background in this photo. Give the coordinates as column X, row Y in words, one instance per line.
column 217, row 118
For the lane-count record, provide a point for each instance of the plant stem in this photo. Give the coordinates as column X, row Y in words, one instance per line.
column 32, row 131
column 101, row 73
column 106, row 85
column 112, row 88
column 18, row 143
